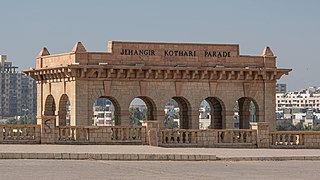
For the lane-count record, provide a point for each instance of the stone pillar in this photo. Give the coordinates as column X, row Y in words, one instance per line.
column 160, row 118
column 194, row 120
column 48, row 130
column 263, row 134
column 125, row 117
column 228, row 124
column 152, row 128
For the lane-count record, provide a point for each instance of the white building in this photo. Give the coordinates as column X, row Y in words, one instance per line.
column 306, row 99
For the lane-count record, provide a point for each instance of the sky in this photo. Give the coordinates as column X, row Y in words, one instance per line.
column 290, row 27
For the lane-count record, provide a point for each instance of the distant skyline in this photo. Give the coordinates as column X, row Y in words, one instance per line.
column 290, row 27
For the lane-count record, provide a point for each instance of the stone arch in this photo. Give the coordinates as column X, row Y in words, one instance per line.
column 117, row 109
column 184, row 112
column 64, row 104
column 151, row 107
column 217, row 112
column 245, row 105
column 50, row 106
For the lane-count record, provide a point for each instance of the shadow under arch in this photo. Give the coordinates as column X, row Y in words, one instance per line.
column 50, row 106
column 217, row 112
column 151, row 107
column 248, row 112
column 184, row 112
column 64, row 105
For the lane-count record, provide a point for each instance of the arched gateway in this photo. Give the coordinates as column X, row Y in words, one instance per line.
column 156, row 72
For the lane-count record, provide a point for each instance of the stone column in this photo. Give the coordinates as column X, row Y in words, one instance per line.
column 153, row 134
column 194, row 120
column 228, row 124
column 263, row 134
column 124, row 117
column 48, row 130
column 160, row 118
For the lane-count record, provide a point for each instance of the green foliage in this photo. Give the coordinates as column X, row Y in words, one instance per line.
column 136, row 116
column 11, row 120
column 286, row 125
column 169, row 121
column 27, row 119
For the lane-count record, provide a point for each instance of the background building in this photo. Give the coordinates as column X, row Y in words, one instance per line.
column 281, row 88
column 18, row 91
column 302, row 106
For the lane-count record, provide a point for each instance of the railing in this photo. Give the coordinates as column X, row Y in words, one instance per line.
column 208, row 138
column 237, row 136
column 287, row 138
column 127, row 133
column 181, row 136
column 20, row 133
column 73, row 133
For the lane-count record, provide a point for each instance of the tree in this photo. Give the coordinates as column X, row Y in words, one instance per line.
column 169, row 120
column 11, row 120
column 136, row 116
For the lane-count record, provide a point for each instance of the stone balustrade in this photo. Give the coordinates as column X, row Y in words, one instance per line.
column 101, row 135
column 208, row 138
column 73, row 133
column 257, row 137
column 128, row 133
column 180, row 136
column 295, row 139
column 20, row 134
column 237, row 136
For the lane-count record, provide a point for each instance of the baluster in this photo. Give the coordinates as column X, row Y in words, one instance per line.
column 242, row 133
column 24, row 133
column 119, row 133
column 188, row 137
column 31, row 133
column 248, row 138
column 79, row 134
column 290, row 139
column 175, row 137
column 193, row 137
column 301, row 141
column 73, row 131
column 283, row 138
column 235, row 136
column 277, row 138
column 163, row 137
column 18, row 133
column 231, row 137
column 295, row 139
column 11, row 133
column 130, row 133
column 138, row 132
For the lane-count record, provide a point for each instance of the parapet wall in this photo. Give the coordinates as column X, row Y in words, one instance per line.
column 160, row 54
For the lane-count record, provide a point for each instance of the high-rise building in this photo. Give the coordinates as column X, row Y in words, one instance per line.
column 18, row 91
column 281, row 88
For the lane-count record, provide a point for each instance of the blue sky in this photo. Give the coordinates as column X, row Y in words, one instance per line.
column 290, row 27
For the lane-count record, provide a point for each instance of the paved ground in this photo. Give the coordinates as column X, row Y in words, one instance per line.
column 149, row 153
column 70, row 169
column 132, row 149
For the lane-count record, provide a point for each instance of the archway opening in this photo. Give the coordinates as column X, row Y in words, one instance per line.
column 141, row 109
column 248, row 111
column 50, row 106
column 212, row 114
column 106, row 112
column 64, row 111
column 177, row 114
